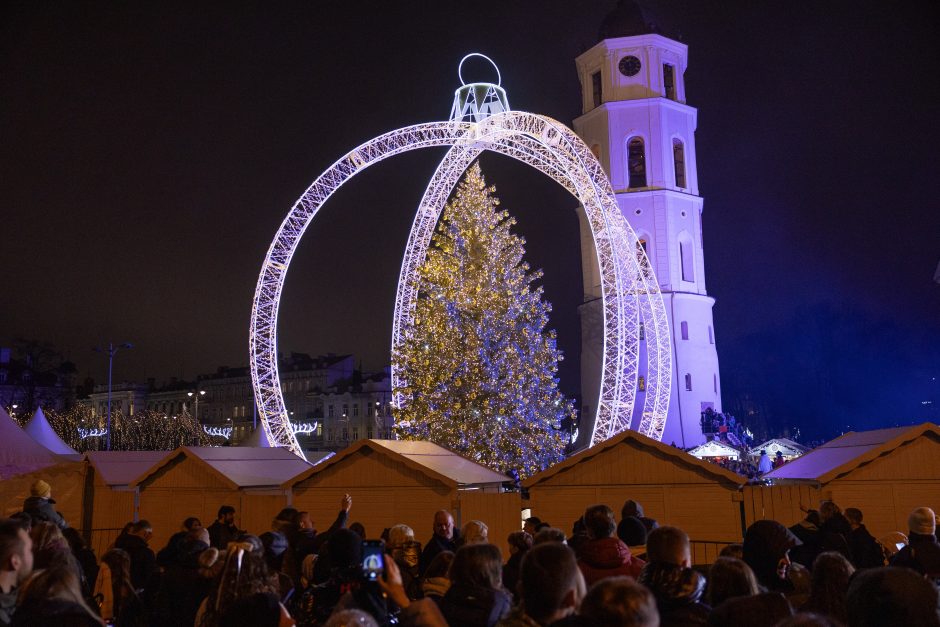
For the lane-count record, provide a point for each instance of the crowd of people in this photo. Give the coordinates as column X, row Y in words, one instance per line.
column 725, row 427
column 827, row 570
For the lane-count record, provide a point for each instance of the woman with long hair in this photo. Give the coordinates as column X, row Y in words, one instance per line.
column 476, row 596
column 728, row 578
column 831, row 574
column 54, row 597
column 245, row 573
column 118, row 601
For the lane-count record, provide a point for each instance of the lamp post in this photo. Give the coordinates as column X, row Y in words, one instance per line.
column 111, row 351
column 196, row 401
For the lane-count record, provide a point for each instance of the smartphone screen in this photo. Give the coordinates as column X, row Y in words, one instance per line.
column 373, row 559
column 900, row 545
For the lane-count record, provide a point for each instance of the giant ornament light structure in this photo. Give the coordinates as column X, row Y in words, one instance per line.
column 482, row 120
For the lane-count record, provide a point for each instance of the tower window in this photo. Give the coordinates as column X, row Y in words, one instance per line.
column 597, row 89
column 669, row 80
column 711, row 335
column 688, row 382
column 685, row 257
column 642, row 331
column 685, row 329
column 715, row 382
column 636, row 162
column 678, row 158
column 641, row 383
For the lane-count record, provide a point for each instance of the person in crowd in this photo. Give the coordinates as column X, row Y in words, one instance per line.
column 223, row 530
column 767, row 544
column 184, row 585
column 40, row 505
column 275, row 550
column 420, row 613
column 444, row 539
column 50, row 547
column 359, row 529
column 779, row 460
column 549, row 534
column 835, row 530
column 406, row 552
column 244, row 573
column 550, row 586
column 866, row 551
column 143, row 561
column 922, row 552
column 730, row 578
column 808, row 619
column 519, row 544
column 668, row 574
column 632, row 532
column 261, row 609
column 531, row 524
column 807, row 531
column 85, row 558
column 476, row 596
column 891, row 596
column 735, row 550
column 53, row 597
column 764, row 465
column 633, row 508
column 191, row 523
column 619, row 602
column 434, row 584
column 474, row 532
column 831, row 574
column 604, row 555
column 24, row 520
column 168, row 553
column 16, row 565
column 119, row 603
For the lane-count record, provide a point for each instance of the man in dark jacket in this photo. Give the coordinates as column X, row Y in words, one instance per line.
column 866, row 551
column 604, row 554
column 767, row 546
column 16, row 564
column 444, row 539
column 668, row 575
column 632, row 508
column 922, row 552
column 40, row 506
column 223, row 530
column 143, row 561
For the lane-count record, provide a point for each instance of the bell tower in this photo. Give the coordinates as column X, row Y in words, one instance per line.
column 637, row 123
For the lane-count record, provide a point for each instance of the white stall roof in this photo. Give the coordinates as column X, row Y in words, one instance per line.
column 19, row 452
column 120, row 468
column 40, row 430
column 242, row 467
column 715, row 448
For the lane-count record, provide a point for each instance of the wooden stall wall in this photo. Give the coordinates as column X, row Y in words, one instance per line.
column 779, row 502
column 68, row 490
column 258, row 507
column 502, row 513
column 108, row 511
column 385, row 492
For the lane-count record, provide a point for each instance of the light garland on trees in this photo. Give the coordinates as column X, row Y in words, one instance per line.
column 480, row 368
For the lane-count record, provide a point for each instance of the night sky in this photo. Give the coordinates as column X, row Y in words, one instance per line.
column 148, row 152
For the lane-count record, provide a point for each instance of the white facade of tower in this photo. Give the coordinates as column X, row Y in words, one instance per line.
column 637, row 123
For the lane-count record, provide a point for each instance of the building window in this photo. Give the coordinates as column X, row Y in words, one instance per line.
column 685, row 329
column 669, row 80
column 355, row 433
column 636, row 162
column 711, row 335
column 685, row 257
column 641, row 383
column 688, row 382
column 597, row 89
column 356, row 410
column 319, row 431
column 345, row 434
column 369, row 432
column 678, row 158
column 329, row 411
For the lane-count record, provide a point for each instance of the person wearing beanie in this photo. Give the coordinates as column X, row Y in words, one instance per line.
column 40, row 506
column 922, row 552
column 633, row 508
column 767, row 546
column 632, row 531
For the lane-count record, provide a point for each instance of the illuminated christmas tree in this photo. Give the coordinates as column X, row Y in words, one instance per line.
column 479, row 365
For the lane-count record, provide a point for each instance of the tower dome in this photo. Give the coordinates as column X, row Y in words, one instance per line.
column 626, row 20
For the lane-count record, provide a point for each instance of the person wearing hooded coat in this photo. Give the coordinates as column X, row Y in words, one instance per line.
column 767, row 544
column 40, row 505
column 677, row 587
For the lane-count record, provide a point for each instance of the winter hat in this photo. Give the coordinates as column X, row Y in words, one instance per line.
column 259, row 610
column 891, row 596
column 275, row 543
column 923, row 521
column 632, row 531
column 765, row 543
column 345, row 548
column 43, row 490
column 257, row 546
column 631, row 508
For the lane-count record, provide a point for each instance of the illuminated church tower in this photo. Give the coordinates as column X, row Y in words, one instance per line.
column 636, row 121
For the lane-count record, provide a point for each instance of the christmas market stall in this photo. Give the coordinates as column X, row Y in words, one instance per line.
column 394, row 481
column 885, row 473
column 715, row 449
column 196, row 481
column 787, row 448
column 673, row 487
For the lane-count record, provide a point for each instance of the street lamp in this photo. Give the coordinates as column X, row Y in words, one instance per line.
column 111, row 351
column 196, row 401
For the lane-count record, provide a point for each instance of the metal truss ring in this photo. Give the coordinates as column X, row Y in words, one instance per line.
column 627, row 284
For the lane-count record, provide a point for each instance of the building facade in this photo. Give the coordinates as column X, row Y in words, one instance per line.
column 637, row 123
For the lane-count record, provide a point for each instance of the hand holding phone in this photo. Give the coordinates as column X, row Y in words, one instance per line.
column 373, row 559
